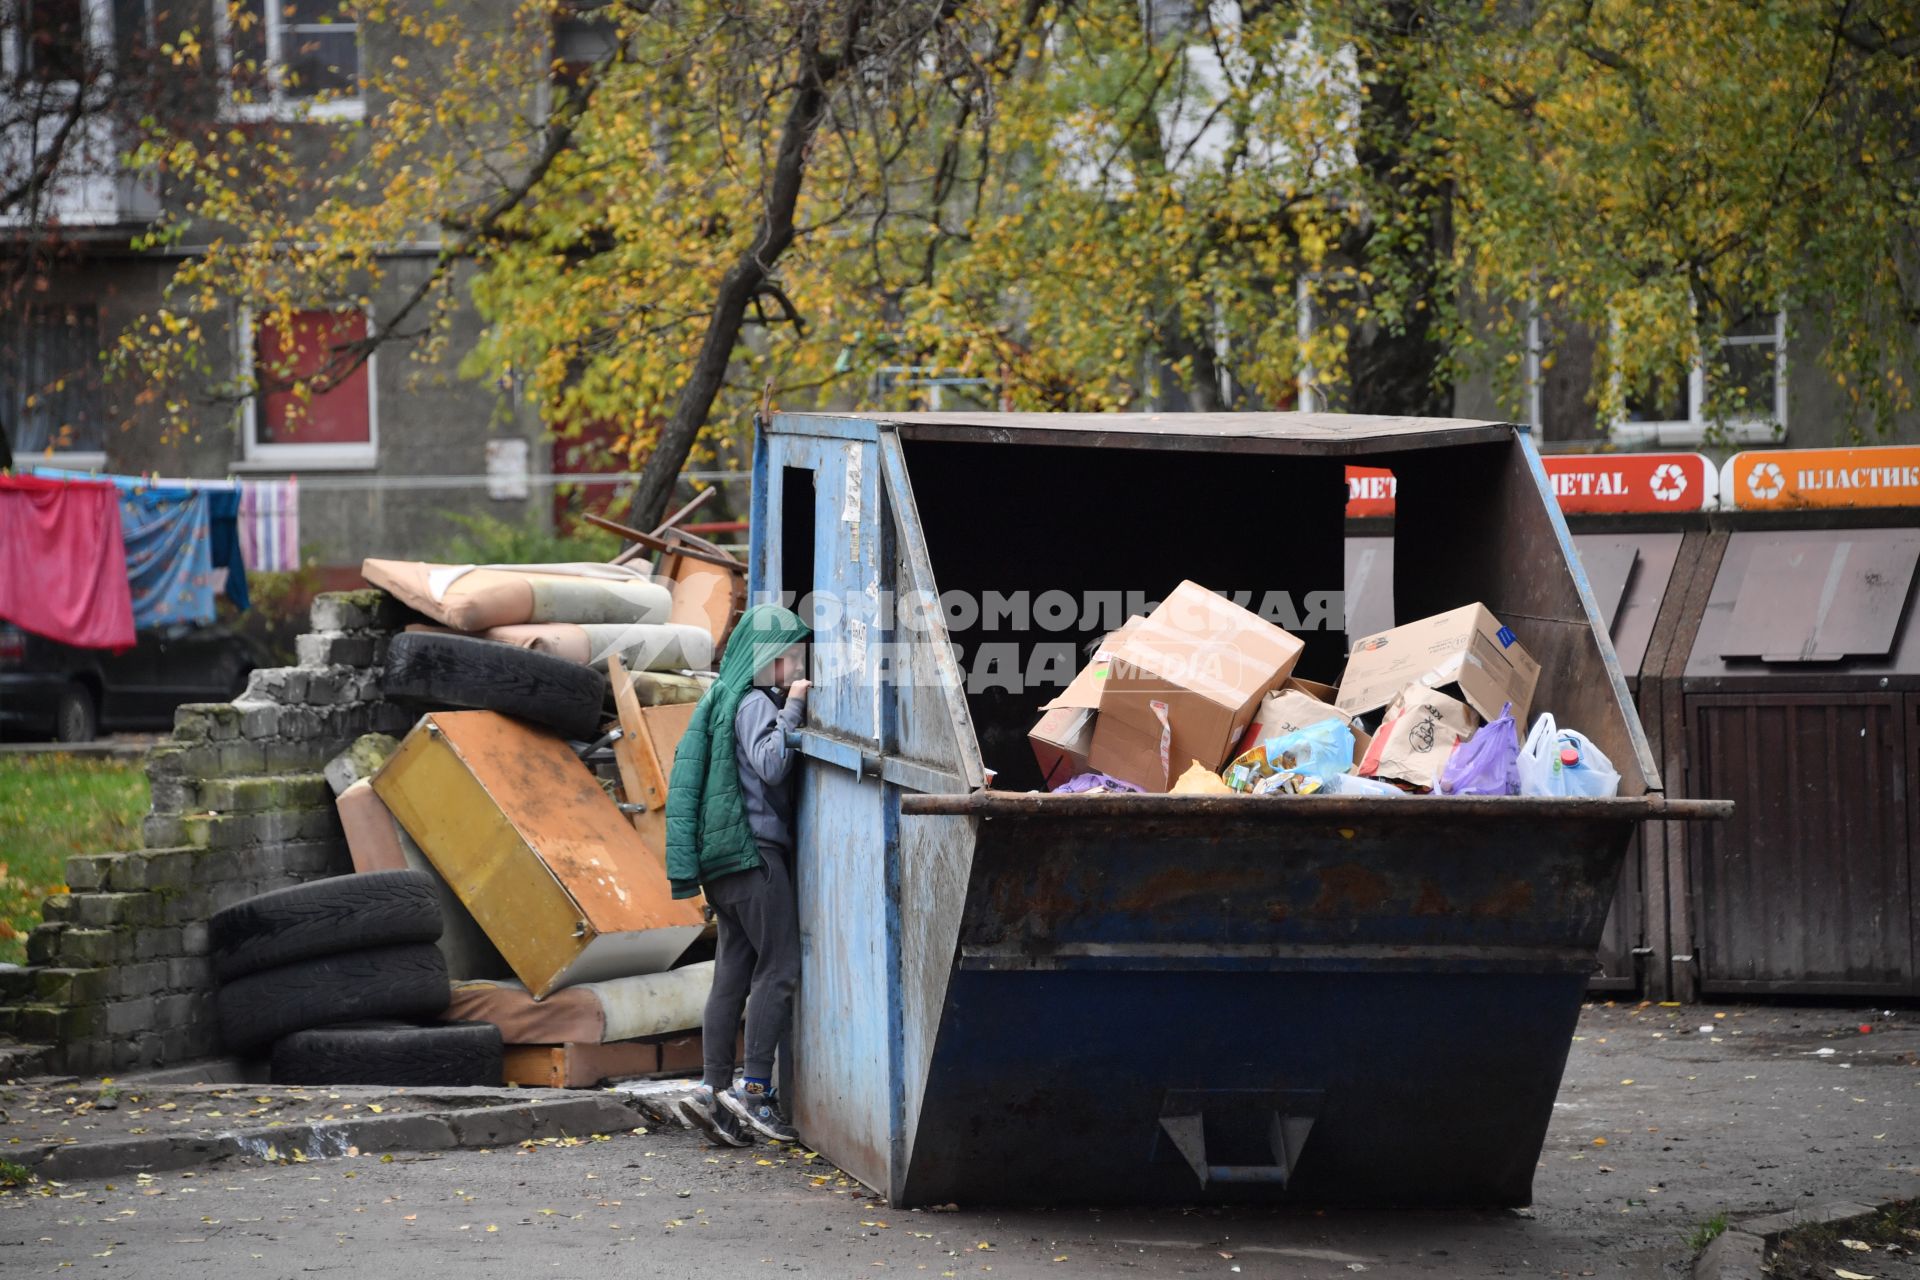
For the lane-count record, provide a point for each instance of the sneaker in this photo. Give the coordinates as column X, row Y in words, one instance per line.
column 754, row 1106
column 720, row 1125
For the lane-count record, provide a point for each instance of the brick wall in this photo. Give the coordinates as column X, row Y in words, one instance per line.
column 117, row 976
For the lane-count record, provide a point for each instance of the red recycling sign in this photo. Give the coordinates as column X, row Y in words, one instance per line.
column 1585, row 483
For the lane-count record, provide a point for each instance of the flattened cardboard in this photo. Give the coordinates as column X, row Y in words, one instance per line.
column 536, row 850
column 1209, row 660
column 1465, row 652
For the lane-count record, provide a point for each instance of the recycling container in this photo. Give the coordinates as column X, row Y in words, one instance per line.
column 1017, row 997
column 1800, row 699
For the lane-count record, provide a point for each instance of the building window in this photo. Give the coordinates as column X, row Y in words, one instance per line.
column 338, row 427
column 1742, row 396
column 50, row 40
column 297, row 58
column 52, row 398
column 582, row 35
column 51, row 393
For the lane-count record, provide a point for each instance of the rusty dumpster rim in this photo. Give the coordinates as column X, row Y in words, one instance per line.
column 1652, row 807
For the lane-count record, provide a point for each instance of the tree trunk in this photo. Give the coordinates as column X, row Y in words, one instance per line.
column 1396, row 371
column 745, row 279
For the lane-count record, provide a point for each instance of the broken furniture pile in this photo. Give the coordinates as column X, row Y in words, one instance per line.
column 510, row 889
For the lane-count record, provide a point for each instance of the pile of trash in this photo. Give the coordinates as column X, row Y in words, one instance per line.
column 511, row 849
column 1200, row 697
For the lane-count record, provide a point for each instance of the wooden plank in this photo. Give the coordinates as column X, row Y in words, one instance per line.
column 627, row 756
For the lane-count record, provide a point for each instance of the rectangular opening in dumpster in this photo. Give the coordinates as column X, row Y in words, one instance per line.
column 796, row 538
column 1072, row 532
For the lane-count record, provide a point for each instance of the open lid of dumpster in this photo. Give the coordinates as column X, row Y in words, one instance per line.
column 1109, row 512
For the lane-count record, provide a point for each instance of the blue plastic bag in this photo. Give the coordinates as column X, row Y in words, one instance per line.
column 1320, row 750
column 1486, row 764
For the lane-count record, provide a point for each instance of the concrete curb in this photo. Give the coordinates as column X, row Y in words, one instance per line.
column 445, row 1130
column 1740, row 1252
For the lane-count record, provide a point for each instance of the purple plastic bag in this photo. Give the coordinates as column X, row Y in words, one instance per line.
column 1093, row 782
column 1486, row 764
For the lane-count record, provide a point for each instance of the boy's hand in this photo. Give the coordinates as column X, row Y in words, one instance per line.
column 798, row 689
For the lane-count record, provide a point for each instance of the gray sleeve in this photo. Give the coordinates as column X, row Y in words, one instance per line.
column 762, row 739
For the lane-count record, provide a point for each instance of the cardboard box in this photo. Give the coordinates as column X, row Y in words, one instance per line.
column 1064, row 734
column 1465, row 652
column 536, row 850
column 1208, row 662
column 1121, row 751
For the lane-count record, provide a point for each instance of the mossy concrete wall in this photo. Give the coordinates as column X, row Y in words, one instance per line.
column 117, row 974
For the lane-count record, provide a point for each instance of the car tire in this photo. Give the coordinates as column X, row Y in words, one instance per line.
column 76, row 718
column 322, row 917
column 465, row 673
column 405, row 982
column 449, row 1053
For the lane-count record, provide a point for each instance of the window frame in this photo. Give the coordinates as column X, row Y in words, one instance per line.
column 93, row 459
column 280, row 105
column 259, row 455
column 1694, row 428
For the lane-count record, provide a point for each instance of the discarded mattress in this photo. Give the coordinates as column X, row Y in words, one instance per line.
column 591, row 1013
column 475, row 597
column 641, row 646
column 376, row 842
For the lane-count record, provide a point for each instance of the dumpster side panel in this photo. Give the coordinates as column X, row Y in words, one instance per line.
column 843, row 1094
column 936, row 855
column 1512, row 551
column 1405, row 986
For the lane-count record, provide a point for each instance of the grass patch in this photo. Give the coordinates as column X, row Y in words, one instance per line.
column 1707, row 1232
column 14, row 1175
column 1881, row 1244
column 51, row 808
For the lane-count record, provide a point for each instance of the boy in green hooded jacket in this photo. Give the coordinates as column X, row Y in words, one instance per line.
column 730, row 835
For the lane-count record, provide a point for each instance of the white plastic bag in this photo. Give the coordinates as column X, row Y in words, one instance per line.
column 1564, row 762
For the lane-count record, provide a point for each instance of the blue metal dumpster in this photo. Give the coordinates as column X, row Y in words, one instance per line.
column 1015, row 997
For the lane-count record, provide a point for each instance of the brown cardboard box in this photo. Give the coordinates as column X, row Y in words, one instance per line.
column 536, row 850
column 1064, row 733
column 1208, row 662
column 1464, row 651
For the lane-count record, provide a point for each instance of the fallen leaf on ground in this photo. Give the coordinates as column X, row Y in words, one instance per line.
column 1844, row 1274
column 1858, row 1246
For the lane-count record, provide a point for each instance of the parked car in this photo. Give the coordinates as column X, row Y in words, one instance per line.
column 53, row 689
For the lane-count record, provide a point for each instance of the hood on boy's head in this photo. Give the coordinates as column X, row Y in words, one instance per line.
column 763, row 633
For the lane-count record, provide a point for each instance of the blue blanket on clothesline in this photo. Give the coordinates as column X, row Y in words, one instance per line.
column 178, row 540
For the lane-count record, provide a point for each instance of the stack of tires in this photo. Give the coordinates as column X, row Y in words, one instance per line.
column 339, row 981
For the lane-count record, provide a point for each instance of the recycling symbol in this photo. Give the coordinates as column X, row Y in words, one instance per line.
column 1669, row 482
column 1766, row 481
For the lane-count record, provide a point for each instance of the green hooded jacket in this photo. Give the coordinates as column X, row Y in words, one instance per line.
column 707, row 834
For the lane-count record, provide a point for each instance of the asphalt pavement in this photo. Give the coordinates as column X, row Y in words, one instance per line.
column 1667, row 1118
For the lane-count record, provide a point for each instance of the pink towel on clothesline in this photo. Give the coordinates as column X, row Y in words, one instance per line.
column 63, row 561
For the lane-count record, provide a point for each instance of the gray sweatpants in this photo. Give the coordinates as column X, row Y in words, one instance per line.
column 758, row 952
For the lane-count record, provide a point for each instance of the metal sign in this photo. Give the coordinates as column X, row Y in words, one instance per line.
column 1585, row 483
column 1780, row 479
